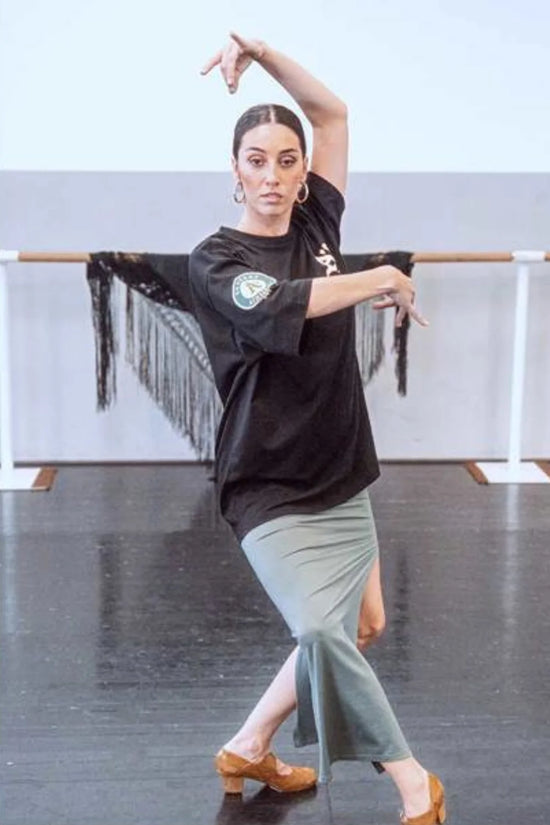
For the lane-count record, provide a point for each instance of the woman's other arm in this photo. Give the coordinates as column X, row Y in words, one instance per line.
column 387, row 283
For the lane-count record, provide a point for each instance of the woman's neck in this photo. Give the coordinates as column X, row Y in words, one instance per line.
column 271, row 228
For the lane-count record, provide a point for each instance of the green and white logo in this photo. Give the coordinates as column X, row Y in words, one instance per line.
column 250, row 288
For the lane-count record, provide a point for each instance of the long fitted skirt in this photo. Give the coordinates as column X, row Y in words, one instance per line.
column 314, row 568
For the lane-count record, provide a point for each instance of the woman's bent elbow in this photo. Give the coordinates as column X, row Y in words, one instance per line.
column 339, row 111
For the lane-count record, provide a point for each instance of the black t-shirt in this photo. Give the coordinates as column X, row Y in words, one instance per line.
column 295, row 435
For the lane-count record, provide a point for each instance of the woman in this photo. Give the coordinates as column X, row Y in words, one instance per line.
column 294, row 450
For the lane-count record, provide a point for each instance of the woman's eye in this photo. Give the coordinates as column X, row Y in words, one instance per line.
column 284, row 161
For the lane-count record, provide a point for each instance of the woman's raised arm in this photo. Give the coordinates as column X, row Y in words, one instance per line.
column 324, row 110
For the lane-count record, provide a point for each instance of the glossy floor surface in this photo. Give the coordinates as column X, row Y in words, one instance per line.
column 135, row 639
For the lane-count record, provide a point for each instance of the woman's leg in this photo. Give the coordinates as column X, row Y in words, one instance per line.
column 409, row 776
column 253, row 740
column 284, row 556
column 412, row 783
column 277, row 703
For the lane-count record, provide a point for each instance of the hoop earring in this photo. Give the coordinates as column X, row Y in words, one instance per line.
column 238, row 195
column 306, row 196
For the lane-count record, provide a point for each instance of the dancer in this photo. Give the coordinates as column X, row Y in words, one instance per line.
column 294, row 449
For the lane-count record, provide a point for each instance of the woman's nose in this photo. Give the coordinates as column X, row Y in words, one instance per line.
column 271, row 173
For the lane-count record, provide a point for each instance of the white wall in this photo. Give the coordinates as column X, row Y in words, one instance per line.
column 431, row 86
column 457, row 405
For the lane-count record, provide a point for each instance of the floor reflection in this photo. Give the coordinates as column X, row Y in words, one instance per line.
column 148, row 614
column 400, row 627
column 267, row 807
column 7, row 564
column 135, row 638
column 511, row 582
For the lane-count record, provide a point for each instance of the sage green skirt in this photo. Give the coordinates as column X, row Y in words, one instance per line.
column 314, row 568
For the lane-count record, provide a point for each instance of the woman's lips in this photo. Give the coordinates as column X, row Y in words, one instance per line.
column 272, row 197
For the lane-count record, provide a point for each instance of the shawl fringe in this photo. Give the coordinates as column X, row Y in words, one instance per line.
column 165, row 347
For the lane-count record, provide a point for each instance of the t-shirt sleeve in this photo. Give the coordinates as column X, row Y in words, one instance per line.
column 264, row 313
column 325, row 206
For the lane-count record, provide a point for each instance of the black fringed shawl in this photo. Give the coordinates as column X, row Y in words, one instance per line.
column 164, row 344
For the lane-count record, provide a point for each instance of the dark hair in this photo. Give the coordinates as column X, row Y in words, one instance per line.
column 267, row 113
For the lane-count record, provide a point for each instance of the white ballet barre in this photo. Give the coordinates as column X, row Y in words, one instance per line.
column 10, row 478
column 512, row 471
column 516, row 471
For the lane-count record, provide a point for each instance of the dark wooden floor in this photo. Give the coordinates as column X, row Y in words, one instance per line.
column 135, row 639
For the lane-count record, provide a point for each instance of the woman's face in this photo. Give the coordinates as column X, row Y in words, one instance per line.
column 271, row 167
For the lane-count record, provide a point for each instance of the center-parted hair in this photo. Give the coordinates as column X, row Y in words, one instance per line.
column 267, row 113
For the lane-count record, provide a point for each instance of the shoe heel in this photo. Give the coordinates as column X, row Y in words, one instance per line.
column 232, row 784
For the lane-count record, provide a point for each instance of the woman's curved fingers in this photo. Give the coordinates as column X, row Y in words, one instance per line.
column 212, row 62
column 228, row 65
column 244, row 44
column 234, row 59
column 383, row 303
column 419, row 318
column 254, row 48
column 233, row 70
column 403, row 311
column 400, row 317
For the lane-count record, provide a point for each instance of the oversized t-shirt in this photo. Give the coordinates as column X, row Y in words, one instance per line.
column 295, row 435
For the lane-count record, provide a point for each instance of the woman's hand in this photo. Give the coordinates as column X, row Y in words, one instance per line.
column 235, row 58
column 402, row 296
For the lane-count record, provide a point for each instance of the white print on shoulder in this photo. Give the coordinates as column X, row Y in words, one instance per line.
column 327, row 259
column 249, row 288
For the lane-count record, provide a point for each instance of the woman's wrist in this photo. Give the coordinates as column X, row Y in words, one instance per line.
column 263, row 50
column 384, row 278
column 317, row 102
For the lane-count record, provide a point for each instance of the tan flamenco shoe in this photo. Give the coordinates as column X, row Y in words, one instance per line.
column 436, row 814
column 234, row 769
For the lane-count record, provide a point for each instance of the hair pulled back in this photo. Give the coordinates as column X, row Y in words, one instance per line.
column 267, row 113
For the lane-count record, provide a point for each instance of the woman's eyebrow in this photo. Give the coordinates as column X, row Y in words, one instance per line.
column 258, row 149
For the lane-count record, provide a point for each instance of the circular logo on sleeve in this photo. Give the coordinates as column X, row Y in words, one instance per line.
column 249, row 288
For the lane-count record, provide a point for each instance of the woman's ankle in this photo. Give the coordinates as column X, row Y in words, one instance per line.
column 249, row 747
column 412, row 783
